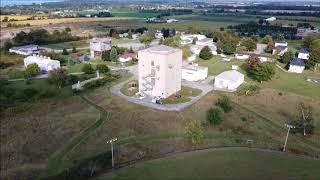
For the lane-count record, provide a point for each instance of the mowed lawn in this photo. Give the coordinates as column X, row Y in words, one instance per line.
column 224, row 164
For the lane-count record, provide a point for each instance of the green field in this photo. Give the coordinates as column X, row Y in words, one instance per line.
column 223, row 164
column 69, row 45
column 185, row 93
column 135, row 14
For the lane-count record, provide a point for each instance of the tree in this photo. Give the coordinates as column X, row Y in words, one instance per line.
column 32, row 69
column 261, row 21
column 307, row 41
column 59, row 77
column 102, row 68
column 5, row 19
column 251, row 62
column 146, row 38
column 186, row 52
column 113, row 54
column 130, row 34
column 280, row 37
column 286, row 58
column 7, row 45
column 228, row 48
column 68, row 29
column 224, row 103
column 64, row 51
column 263, row 71
column 194, row 40
column 250, row 44
column 205, row 53
column 214, row 115
column 173, row 41
column 105, row 56
column 304, row 120
column 270, row 47
column 87, row 69
column 194, row 132
column 314, row 57
column 74, row 50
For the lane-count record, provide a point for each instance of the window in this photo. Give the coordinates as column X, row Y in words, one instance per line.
column 152, row 63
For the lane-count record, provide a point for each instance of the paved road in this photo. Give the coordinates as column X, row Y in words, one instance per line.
column 203, row 85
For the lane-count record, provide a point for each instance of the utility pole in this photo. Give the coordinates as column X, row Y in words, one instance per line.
column 285, row 143
column 111, row 142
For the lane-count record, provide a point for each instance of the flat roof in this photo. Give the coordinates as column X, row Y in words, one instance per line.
column 161, row 49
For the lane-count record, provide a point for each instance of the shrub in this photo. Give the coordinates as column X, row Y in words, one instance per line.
column 87, row 69
column 194, row 132
column 224, row 102
column 32, row 69
column 58, row 77
column 64, row 51
column 102, row 68
column 263, row 71
column 214, row 115
column 205, row 53
column 249, row 90
column 95, row 84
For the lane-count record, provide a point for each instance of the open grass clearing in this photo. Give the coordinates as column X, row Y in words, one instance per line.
column 182, row 96
column 69, row 45
column 223, row 164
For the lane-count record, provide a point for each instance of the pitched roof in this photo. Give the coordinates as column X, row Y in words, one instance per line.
column 297, row 62
column 232, row 75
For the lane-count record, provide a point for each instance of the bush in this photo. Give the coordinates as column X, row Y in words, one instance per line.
column 32, row 69
column 102, row 68
column 87, row 69
column 64, row 51
column 58, row 77
column 205, row 53
column 95, row 84
column 214, row 115
column 194, row 132
column 249, row 90
column 263, row 71
column 224, row 102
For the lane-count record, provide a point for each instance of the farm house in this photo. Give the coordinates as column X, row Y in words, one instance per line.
column 97, row 46
column 228, row 80
column 159, row 71
column 44, row 63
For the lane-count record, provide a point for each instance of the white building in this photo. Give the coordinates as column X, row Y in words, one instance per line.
column 205, row 42
column 25, row 50
column 297, row 65
column 194, row 72
column 99, row 45
column 159, row 71
column 44, row 63
column 188, row 38
column 228, row 80
column 241, row 56
column 158, row 34
column 270, row 19
column 280, row 48
column 172, row 20
column 304, row 54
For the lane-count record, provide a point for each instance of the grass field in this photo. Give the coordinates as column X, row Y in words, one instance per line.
column 17, row 17
column 185, row 93
column 135, row 14
column 69, row 45
column 223, row 164
column 125, row 89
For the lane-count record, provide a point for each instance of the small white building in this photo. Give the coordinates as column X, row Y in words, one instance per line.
column 44, row 63
column 26, row 50
column 241, row 56
column 304, row 54
column 205, row 42
column 188, row 38
column 270, row 19
column 280, row 48
column 124, row 35
column 228, row 80
column 172, row 20
column 158, row 34
column 194, row 72
column 159, row 71
column 297, row 65
column 99, row 45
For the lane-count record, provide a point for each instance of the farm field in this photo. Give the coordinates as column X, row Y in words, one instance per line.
column 67, row 20
column 136, row 14
column 223, row 164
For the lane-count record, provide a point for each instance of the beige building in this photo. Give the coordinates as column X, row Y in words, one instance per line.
column 160, row 71
column 99, row 45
